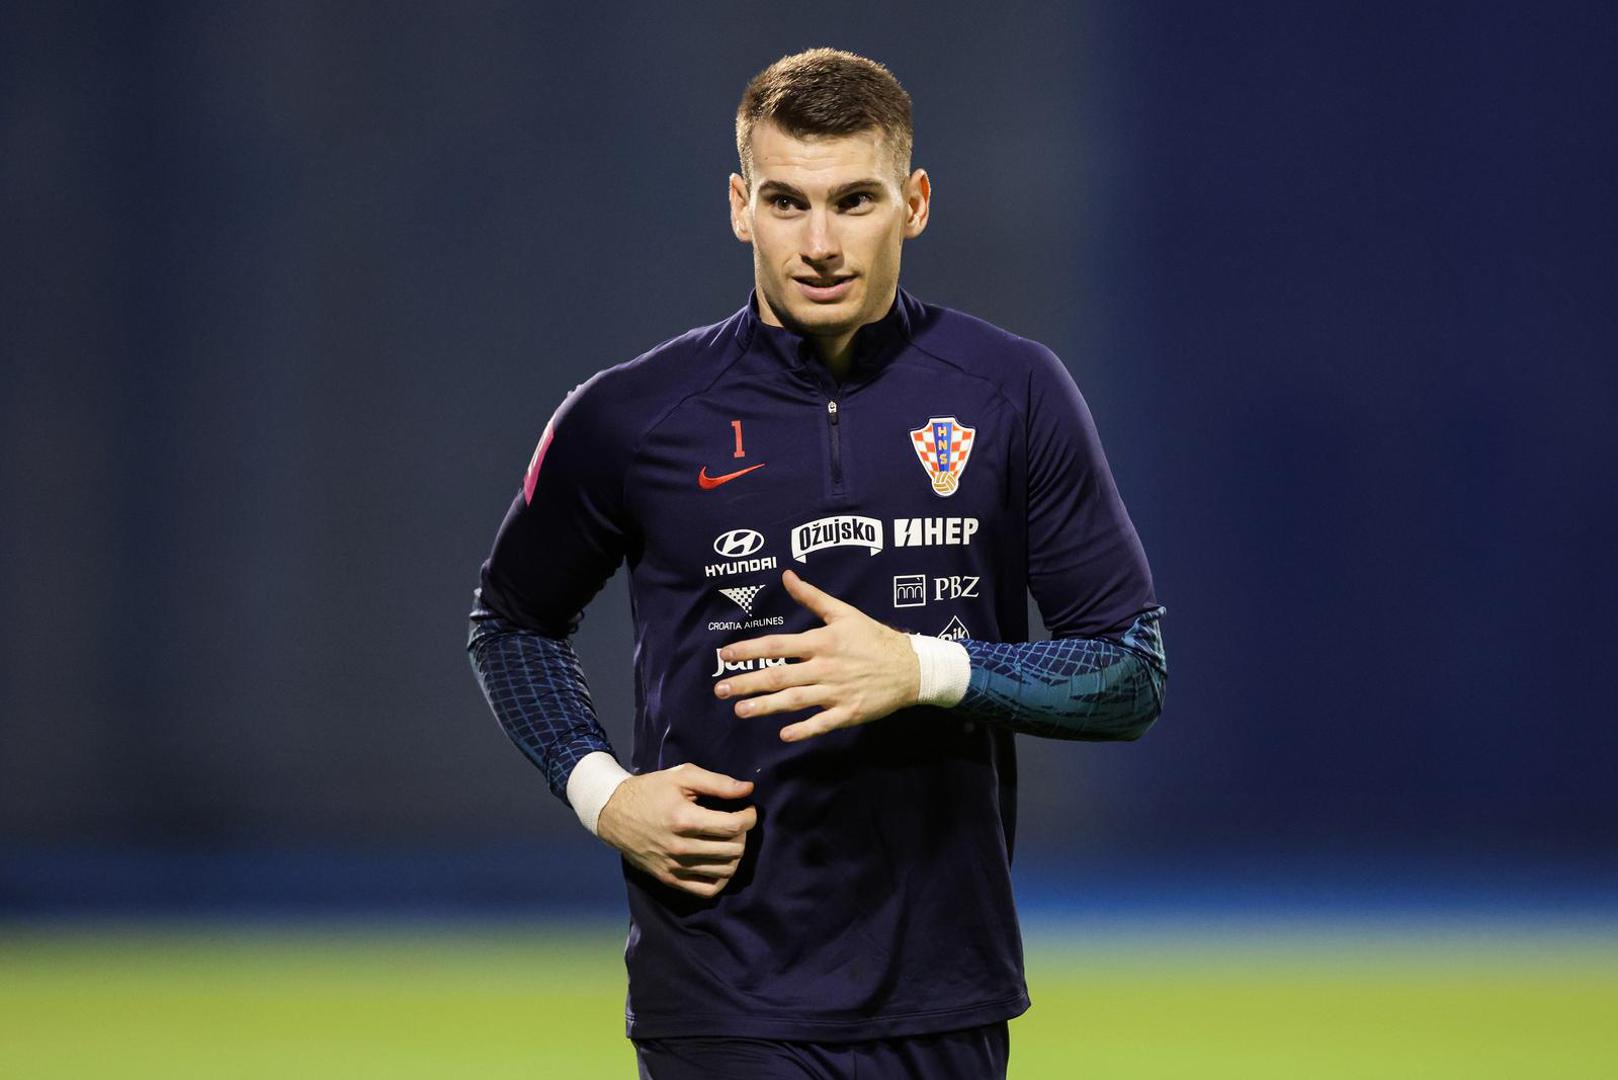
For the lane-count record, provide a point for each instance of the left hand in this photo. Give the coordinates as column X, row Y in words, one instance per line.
column 856, row 669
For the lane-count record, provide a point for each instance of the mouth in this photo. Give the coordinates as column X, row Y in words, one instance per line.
column 826, row 287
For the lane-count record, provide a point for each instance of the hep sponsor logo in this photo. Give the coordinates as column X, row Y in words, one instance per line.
column 840, row 530
column 737, row 546
column 725, row 667
column 933, row 531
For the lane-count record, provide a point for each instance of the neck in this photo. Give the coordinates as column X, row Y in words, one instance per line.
column 835, row 350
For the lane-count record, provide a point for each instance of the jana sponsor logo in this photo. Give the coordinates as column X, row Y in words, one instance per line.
column 934, row 531
column 840, row 530
column 726, row 667
column 738, row 546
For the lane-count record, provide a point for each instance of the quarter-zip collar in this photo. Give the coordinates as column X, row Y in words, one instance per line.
column 874, row 344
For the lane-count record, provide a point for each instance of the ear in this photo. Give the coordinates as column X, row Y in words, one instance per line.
column 741, row 220
column 918, row 203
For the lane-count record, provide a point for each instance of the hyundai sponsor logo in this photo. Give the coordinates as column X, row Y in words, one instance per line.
column 738, row 543
column 740, row 547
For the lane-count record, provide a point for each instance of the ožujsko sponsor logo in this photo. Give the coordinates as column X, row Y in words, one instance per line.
column 725, row 667
column 736, row 545
column 933, row 531
column 839, row 530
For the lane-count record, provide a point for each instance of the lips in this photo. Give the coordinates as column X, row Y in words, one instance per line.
column 829, row 287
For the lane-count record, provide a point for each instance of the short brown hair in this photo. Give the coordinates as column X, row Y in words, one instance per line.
column 826, row 92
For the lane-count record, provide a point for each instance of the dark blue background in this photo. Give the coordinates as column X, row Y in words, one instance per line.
column 290, row 291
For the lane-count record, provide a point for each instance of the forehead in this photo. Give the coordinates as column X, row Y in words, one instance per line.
column 818, row 160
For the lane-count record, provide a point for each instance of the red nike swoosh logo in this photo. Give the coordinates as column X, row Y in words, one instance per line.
column 708, row 483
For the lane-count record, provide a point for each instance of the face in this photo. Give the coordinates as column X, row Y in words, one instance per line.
column 826, row 217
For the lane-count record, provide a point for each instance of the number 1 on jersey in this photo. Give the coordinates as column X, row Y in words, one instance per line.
column 737, row 425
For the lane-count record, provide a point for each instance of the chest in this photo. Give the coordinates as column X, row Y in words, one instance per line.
column 907, row 475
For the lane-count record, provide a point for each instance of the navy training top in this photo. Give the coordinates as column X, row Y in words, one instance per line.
column 955, row 466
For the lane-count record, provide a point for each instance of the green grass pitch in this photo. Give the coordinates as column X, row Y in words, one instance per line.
column 544, row 1000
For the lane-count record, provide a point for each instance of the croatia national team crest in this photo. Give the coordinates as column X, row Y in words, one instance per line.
column 943, row 444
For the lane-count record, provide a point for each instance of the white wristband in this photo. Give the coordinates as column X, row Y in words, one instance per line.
column 946, row 669
column 591, row 783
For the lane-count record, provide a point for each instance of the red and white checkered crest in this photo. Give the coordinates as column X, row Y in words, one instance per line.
column 944, row 445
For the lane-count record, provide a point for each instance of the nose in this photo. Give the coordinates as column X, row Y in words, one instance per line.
column 819, row 241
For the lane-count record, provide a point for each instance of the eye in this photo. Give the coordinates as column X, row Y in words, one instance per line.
column 854, row 200
column 783, row 202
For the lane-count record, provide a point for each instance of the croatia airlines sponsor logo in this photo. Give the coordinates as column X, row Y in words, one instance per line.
column 840, row 530
column 944, row 445
column 740, row 547
column 743, row 596
column 934, row 531
column 726, row 667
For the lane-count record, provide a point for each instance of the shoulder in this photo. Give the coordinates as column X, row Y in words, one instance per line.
column 1017, row 365
column 629, row 397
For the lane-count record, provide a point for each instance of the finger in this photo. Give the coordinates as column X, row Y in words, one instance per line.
column 696, row 882
column 776, row 677
column 706, row 864
column 822, row 603
column 772, row 646
column 689, row 849
column 791, row 699
column 700, row 822
column 818, row 724
column 699, row 781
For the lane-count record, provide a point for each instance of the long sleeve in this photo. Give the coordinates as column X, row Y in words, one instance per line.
column 537, row 690
column 1071, row 688
column 1102, row 676
column 564, row 535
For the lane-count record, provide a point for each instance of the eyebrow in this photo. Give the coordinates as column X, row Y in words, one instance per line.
column 778, row 187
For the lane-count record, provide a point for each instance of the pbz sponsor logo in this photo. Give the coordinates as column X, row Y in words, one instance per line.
column 910, row 590
column 934, row 531
column 840, row 530
column 725, row 667
column 736, row 545
column 955, row 587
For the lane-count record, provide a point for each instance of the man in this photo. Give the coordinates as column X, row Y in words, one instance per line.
column 817, row 828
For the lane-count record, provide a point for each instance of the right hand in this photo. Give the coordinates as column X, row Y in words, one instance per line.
column 655, row 821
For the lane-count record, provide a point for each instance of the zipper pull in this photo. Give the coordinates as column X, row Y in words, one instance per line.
column 831, row 410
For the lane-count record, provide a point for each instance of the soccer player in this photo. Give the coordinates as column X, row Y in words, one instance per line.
column 831, row 504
